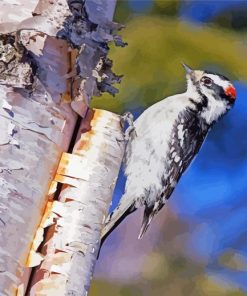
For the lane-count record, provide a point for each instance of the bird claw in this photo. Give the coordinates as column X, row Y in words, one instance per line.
column 129, row 118
column 129, row 131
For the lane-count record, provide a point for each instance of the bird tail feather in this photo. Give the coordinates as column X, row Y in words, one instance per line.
column 149, row 213
column 115, row 218
column 147, row 218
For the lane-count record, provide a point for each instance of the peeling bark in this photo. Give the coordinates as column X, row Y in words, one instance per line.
column 87, row 27
column 70, row 256
column 53, row 58
column 31, row 142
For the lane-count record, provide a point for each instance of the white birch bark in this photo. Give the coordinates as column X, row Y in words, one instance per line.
column 38, row 79
column 34, row 132
column 89, row 176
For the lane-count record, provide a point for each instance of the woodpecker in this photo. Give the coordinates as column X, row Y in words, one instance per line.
column 167, row 137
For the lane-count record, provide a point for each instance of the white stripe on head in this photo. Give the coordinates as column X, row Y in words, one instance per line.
column 216, row 108
column 219, row 81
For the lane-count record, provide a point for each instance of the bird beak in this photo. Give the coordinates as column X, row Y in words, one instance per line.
column 187, row 69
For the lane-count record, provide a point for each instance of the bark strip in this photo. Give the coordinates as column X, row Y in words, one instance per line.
column 89, row 176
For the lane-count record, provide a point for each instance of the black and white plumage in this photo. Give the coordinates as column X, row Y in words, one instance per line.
column 168, row 135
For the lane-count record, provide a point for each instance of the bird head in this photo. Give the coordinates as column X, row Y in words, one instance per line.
column 216, row 89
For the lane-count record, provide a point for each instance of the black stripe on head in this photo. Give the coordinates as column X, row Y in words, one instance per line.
column 221, row 76
column 219, row 94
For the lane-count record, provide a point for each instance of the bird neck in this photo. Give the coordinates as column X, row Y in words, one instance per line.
column 208, row 106
column 215, row 109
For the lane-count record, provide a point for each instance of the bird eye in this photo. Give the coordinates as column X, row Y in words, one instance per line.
column 207, row 80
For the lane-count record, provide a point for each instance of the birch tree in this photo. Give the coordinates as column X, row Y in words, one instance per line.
column 57, row 172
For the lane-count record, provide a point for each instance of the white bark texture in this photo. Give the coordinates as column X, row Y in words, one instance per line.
column 34, row 132
column 53, row 58
column 77, row 217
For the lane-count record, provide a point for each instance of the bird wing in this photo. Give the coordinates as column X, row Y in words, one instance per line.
column 185, row 142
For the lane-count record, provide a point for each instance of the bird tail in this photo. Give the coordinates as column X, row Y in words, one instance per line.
column 148, row 215
column 115, row 218
column 147, row 218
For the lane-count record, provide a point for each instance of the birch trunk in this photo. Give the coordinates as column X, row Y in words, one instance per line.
column 34, row 132
column 51, row 62
column 89, row 176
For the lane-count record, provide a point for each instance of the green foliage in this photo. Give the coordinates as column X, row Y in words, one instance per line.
column 122, row 12
column 151, row 63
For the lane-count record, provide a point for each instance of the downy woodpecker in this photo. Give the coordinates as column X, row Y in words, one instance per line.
column 168, row 135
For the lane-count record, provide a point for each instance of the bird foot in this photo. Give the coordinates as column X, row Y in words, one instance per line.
column 129, row 118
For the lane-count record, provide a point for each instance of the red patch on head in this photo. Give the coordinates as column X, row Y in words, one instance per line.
column 230, row 91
